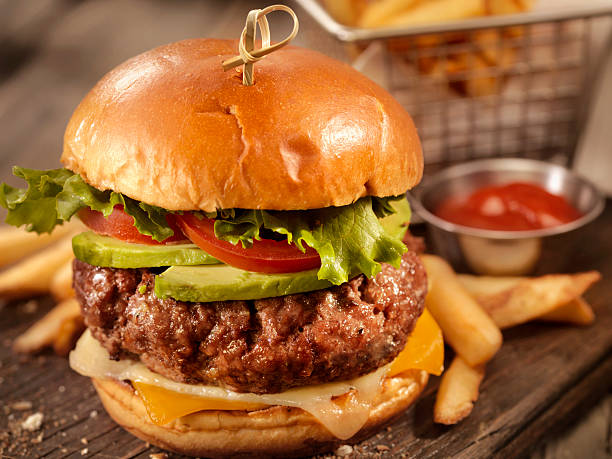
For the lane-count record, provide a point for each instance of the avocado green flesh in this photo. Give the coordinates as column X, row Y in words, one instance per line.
column 224, row 283
column 109, row 252
column 396, row 225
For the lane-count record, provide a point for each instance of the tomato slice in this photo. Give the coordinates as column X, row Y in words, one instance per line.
column 265, row 256
column 121, row 226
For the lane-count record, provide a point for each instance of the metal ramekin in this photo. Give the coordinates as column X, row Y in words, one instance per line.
column 500, row 252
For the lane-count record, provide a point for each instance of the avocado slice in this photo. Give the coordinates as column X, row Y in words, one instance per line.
column 395, row 224
column 109, row 252
column 224, row 282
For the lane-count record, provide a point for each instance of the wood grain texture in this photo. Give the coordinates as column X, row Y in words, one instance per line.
column 544, row 377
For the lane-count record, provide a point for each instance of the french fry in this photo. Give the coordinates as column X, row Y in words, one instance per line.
column 492, row 49
column 44, row 332
column 577, row 312
column 68, row 334
column 439, row 11
column 457, row 392
column 345, row 11
column 377, row 14
column 61, row 283
column 16, row 243
column 34, row 274
column 482, row 286
column 465, row 325
column 500, row 7
column 519, row 300
column 477, row 68
column 478, row 85
column 508, row 6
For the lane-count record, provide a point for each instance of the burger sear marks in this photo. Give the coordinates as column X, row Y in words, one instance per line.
column 260, row 346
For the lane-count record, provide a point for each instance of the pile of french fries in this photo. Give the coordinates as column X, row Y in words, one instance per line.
column 471, row 310
column 41, row 265
column 395, row 13
column 398, row 13
column 470, row 62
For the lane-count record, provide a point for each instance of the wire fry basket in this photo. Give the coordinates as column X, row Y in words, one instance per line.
column 514, row 86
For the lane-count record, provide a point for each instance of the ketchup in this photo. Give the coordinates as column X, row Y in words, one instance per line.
column 517, row 206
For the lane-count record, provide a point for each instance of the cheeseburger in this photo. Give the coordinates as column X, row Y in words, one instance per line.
column 245, row 280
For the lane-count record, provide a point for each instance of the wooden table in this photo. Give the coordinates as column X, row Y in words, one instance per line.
column 52, row 52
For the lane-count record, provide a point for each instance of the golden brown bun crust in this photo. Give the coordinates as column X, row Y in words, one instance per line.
column 275, row 431
column 170, row 128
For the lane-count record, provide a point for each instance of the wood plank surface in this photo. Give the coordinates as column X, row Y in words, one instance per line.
column 53, row 52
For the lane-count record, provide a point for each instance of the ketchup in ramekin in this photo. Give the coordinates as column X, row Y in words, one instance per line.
column 516, row 206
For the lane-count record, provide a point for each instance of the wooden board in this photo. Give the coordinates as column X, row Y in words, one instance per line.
column 54, row 51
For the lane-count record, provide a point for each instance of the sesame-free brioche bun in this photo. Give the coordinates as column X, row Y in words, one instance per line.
column 275, row 431
column 170, row 128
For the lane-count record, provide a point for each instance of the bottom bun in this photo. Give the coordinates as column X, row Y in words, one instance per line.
column 274, row 431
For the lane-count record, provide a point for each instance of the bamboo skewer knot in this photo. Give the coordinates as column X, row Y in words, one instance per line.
column 246, row 46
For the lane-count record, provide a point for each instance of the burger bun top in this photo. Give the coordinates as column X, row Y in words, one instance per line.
column 170, row 128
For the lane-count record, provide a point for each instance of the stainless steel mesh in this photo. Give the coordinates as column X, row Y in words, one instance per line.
column 495, row 92
column 518, row 87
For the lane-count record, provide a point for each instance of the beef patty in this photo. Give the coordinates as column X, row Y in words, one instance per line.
column 260, row 346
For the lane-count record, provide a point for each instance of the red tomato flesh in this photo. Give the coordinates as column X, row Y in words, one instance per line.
column 517, row 206
column 265, row 256
column 121, row 226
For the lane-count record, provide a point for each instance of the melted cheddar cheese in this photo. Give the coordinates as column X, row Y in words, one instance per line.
column 164, row 406
column 424, row 349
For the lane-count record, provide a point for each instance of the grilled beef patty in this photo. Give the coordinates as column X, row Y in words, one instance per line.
column 259, row 346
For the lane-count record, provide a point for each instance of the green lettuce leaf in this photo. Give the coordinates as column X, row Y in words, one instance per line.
column 384, row 207
column 54, row 196
column 35, row 206
column 349, row 239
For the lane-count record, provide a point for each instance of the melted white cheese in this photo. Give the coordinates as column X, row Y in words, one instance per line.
column 90, row 359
